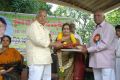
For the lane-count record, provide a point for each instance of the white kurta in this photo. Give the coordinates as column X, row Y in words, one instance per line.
column 79, row 38
column 38, row 51
column 118, row 60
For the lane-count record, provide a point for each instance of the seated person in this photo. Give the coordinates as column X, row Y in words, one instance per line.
column 10, row 61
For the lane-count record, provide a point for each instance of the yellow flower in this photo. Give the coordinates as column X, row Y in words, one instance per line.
column 64, row 43
column 62, row 69
column 60, row 35
column 73, row 38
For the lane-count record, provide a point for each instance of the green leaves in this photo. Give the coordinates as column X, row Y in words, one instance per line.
column 24, row 6
column 113, row 17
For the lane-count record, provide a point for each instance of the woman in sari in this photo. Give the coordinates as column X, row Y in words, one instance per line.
column 10, row 61
column 66, row 39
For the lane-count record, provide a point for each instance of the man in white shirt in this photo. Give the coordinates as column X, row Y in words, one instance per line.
column 117, row 28
column 38, row 52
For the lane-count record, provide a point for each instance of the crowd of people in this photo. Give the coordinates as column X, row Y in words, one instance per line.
column 102, row 52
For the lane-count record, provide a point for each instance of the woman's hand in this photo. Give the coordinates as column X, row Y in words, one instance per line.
column 3, row 71
column 6, row 71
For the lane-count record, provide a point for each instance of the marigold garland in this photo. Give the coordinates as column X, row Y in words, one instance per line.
column 72, row 37
column 71, row 44
column 62, row 67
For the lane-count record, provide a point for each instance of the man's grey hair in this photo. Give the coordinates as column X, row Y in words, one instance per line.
column 41, row 10
column 100, row 11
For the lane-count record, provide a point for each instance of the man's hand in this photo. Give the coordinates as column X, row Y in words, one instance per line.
column 82, row 49
column 56, row 44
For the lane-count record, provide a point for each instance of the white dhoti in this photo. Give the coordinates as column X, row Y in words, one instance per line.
column 117, row 69
column 104, row 74
column 40, row 72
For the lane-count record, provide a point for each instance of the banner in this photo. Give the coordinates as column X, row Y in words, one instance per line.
column 17, row 24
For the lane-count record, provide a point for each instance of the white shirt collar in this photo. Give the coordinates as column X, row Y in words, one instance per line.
column 102, row 24
column 38, row 23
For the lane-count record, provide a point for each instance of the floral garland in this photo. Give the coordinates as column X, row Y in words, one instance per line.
column 72, row 37
column 61, row 67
